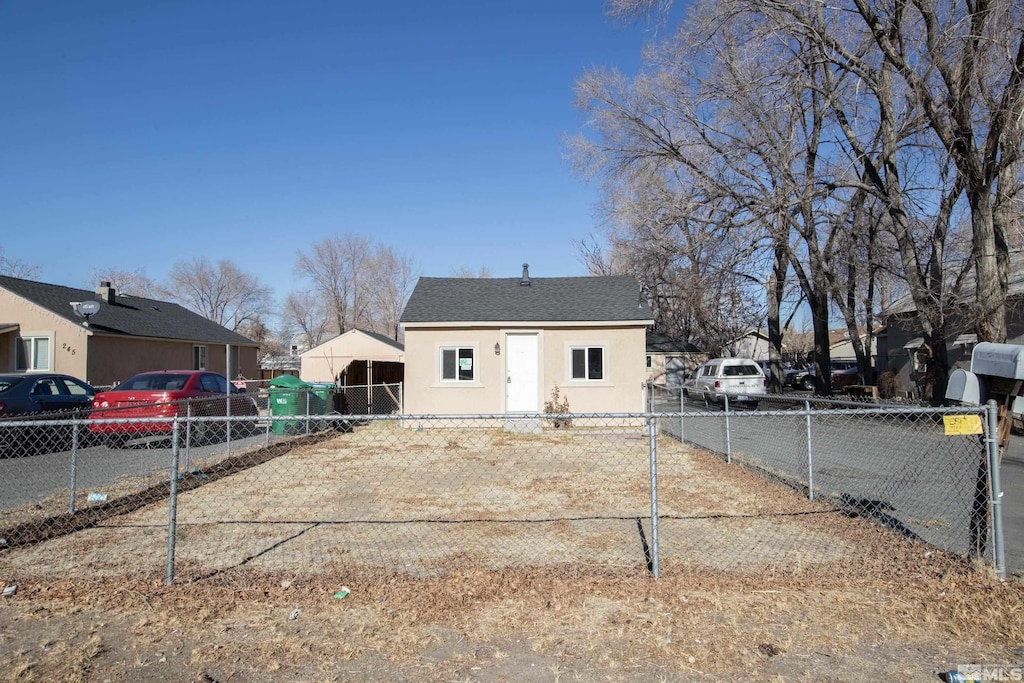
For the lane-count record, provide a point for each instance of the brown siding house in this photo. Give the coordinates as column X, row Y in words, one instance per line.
column 42, row 329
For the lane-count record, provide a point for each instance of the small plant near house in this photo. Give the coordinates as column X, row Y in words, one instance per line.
column 888, row 383
column 555, row 405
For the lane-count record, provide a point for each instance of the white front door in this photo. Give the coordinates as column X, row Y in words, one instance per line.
column 522, row 372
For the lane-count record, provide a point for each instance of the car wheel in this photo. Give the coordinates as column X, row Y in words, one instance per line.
column 807, row 384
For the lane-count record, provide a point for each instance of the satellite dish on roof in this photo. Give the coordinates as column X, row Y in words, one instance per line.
column 86, row 309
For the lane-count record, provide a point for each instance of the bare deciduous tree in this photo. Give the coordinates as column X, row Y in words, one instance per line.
column 335, row 268
column 467, row 272
column 222, row 293
column 353, row 283
column 394, row 277
column 14, row 267
column 305, row 312
column 132, row 282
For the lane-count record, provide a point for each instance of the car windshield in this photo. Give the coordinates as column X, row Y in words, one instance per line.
column 8, row 383
column 156, row 381
column 744, row 370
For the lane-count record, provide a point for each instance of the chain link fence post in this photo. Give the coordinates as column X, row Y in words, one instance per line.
column 188, row 432
column 810, row 452
column 308, row 393
column 995, row 489
column 227, row 425
column 682, row 409
column 172, row 508
column 728, row 433
column 74, row 466
column 652, row 429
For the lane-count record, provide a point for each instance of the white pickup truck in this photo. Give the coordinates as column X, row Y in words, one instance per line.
column 739, row 378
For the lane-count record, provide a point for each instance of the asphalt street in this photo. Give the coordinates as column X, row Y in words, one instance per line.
column 906, row 471
column 30, row 479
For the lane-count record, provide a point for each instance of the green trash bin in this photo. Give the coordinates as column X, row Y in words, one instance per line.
column 289, row 395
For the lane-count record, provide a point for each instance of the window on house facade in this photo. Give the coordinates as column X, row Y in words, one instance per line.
column 33, row 353
column 458, row 364
column 650, row 362
column 588, row 362
column 199, row 357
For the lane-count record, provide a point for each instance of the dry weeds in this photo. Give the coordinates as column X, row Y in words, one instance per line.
column 756, row 580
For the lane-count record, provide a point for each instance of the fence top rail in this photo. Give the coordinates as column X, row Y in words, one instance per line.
column 471, row 417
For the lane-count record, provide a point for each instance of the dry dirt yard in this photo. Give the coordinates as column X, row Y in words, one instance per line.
column 793, row 592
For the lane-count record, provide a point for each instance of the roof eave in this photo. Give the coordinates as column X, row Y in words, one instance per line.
column 643, row 322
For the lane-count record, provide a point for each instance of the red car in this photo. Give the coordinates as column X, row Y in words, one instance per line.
column 167, row 393
column 845, row 378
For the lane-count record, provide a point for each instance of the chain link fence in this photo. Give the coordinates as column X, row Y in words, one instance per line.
column 800, row 489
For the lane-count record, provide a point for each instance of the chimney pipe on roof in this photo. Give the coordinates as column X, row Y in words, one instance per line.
column 525, row 282
column 105, row 292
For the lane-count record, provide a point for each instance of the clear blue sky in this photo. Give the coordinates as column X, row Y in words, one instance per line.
column 136, row 134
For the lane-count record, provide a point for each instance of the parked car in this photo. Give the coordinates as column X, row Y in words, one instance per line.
column 805, row 378
column 39, row 396
column 33, row 394
column 167, row 393
column 739, row 378
column 845, row 378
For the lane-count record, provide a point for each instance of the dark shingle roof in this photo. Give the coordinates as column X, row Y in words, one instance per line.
column 905, row 304
column 660, row 343
column 128, row 315
column 383, row 339
column 555, row 299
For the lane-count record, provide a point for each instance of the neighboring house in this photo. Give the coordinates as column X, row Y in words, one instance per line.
column 502, row 345
column 40, row 331
column 840, row 346
column 272, row 366
column 900, row 344
column 275, row 366
column 751, row 344
column 354, row 358
column 669, row 361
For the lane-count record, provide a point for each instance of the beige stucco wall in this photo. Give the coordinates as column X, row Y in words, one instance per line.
column 621, row 390
column 322, row 363
column 68, row 347
column 691, row 361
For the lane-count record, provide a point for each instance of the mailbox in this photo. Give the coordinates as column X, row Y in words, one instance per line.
column 997, row 372
column 966, row 387
column 998, row 360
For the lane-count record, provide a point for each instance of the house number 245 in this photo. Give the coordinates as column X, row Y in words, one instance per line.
column 68, row 348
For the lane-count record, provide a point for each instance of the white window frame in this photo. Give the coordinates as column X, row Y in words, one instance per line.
column 457, row 348
column 586, row 348
column 200, row 356
column 31, row 363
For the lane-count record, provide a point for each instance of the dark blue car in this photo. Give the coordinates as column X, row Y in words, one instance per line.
column 39, row 396
column 34, row 394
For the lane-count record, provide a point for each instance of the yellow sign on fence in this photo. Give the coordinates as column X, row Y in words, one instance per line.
column 962, row 424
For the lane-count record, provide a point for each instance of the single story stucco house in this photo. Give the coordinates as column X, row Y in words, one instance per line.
column 104, row 337
column 502, row 345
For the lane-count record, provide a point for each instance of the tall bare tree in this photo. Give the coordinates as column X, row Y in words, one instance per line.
column 133, row 282
column 352, row 283
column 222, row 293
column 305, row 313
column 394, row 277
column 335, row 268
column 15, row 267
column 466, row 272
